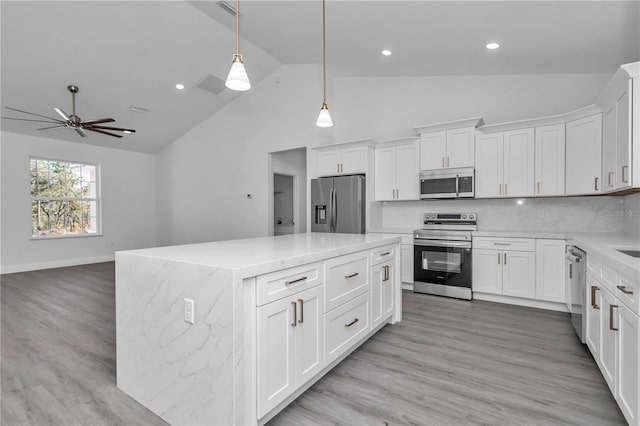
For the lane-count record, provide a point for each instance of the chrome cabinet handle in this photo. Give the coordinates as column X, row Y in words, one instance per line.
column 623, row 289
column 355, row 274
column 443, row 162
column 609, row 179
column 570, row 270
column 352, row 322
column 397, row 193
column 505, row 189
column 501, row 244
column 623, row 179
column 447, row 161
column 500, row 188
column 595, row 184
column 295, row 313
column 498, row 258
column 505, row 258
column 611, row 327
column 301, row 311
column 338, row 168
column 538, row 187
column 295, row 281
column 594, row 305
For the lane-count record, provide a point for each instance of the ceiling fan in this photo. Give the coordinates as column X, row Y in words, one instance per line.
column 72, row 121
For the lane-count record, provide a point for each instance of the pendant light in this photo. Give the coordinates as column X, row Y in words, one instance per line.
column 324, row 119
column 238, row 79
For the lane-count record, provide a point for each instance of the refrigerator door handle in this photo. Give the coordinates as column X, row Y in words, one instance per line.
column 335, row 209
column 331, row 210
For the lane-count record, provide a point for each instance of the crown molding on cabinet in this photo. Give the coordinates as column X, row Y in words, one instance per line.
column 541, row 121
column 468, row 122
column 398, row 141
column 339, row 145
column 620, row 79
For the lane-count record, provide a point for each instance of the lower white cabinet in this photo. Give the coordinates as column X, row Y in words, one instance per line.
column 381, row 292
column 503, row 272
column 406, row 262
column 608, row 338
column 628, row 360
column 345, row 325
column 290, row 345
column 519, row 271
column 487, row 271
column 550, row 270
column 593, row 311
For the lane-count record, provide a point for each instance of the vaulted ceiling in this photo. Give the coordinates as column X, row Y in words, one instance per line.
column 133, row 53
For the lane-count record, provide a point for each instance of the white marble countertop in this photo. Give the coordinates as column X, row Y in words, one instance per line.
column 392, row 230
column 604, row 245
column 521, row 234
column 254, row 256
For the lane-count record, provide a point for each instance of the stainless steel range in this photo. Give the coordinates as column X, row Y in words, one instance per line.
column 442, row 254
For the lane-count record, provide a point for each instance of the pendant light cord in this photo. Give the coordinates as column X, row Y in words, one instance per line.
column 237, row 27
column 324, row 56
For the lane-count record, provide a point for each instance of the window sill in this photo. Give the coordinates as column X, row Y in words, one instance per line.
column 63, row 237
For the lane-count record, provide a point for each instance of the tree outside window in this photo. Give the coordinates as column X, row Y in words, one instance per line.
column 64, row 198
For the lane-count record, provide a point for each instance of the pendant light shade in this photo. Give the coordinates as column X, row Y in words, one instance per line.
column 238, row 79
column 324, row 118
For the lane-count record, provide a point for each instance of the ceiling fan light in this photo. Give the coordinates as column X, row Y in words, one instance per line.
column 324, row 118
column 238, row 79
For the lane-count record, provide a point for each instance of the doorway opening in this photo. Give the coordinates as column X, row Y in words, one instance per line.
column 284, row 189
column 288, row 192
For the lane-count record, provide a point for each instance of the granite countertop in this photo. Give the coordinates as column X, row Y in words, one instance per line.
column 255, row 256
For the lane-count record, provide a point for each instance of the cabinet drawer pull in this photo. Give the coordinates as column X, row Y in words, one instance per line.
column 442, row 162
column 594, row 305
column 611, row 327
column 295, row 281
column 352, row 322
column 498, row 258
column 609, row 179
column 538, row 187
column 301, row 320
column 624, row 289
column 623, row 179
column 500, row 188
column 295, row 314
column 595, row 184
column 505, row 258
column 571, row 270
column 386, row 253
column 501, row 244
column 355, row 274
column 505, row 189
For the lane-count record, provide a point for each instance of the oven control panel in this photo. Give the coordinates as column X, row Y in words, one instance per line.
column 468, row 218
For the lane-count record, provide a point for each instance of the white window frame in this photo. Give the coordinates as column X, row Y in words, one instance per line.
column 96, row 199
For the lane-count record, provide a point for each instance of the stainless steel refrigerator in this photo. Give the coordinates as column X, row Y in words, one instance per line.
column 338, row 204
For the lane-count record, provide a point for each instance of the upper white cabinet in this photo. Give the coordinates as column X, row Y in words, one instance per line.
column 505, row 164
column 583, row 156
column 618, row 139
column 448, row 145
column 549, row 160
column 396, row 172
column 342, row 161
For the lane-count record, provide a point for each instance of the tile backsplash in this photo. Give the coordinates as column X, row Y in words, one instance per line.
column 616, row 214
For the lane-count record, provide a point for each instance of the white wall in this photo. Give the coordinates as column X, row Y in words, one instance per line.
column 204, row 176
column 128, row 204
column 388, row 108
column 631, row 214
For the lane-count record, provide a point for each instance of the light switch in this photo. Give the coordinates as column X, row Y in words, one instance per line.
column 189, row 311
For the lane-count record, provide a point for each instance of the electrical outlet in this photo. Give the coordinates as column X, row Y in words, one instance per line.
column 540, row 214
column 189, row 311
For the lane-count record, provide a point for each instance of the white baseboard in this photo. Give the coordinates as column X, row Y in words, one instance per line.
column 407, row 286
column 11, row 269
column 540, row 304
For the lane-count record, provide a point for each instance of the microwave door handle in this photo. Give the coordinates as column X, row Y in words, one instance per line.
column 457, row 186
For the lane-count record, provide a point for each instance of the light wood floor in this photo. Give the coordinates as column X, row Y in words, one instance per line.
column 449, row 362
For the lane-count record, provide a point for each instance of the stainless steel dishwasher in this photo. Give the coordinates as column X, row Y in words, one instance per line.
column 576, row 301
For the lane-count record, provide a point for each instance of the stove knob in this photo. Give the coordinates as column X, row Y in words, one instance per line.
column 464, row 216
column 471, row 216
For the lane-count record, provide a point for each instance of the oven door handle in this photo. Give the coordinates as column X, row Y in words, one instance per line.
column 439, row 243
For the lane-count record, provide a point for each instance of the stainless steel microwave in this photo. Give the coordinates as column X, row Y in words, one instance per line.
column 449, row 183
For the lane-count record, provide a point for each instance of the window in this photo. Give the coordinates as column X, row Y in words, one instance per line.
column 64, row 198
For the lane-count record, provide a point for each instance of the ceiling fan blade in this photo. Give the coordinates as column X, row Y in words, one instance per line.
column 62, row 114
column 103, row 132
column 31, row 113
column 53, row 127
column 37, row 121
column 102, row 120
column 81, row 131
column 110, row 128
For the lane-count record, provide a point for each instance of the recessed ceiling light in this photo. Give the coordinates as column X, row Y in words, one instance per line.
column 179, row 86
column 492, row 46
column 386, row 52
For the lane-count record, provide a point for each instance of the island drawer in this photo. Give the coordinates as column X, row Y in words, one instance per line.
column 518, row 244
column 628, row 291
column 346, row 277
column 382, row 254
column 279, row 284
column 345, row 325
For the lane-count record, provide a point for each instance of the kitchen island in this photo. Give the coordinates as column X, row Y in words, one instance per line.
column 231, row 332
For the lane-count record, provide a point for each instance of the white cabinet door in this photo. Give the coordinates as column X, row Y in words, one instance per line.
column 309, row 334
column 489, row 165
column 276, row 353
column 594, row 312
column 353, row 160
column 377, row 278
column 550, row 270
column 407, row 172
column 385, row 174
column 407, row 263
column 328, row 163
column 487, row 271
column 433, row 150
column 460, row 147
column 628, row 361
column 609, row 149
column 608, row 339
column 518, row 174
column 583, row 156
column 549, row 164
column 519, row 271
column 623, row 139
